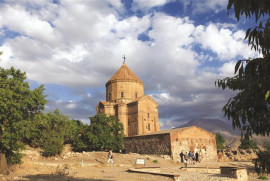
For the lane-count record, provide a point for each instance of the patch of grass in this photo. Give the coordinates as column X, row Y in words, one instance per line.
column 262, row 178
column 147, row 158
column 155, row 161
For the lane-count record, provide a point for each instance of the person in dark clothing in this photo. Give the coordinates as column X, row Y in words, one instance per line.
column 197, row 156
column 182, row 156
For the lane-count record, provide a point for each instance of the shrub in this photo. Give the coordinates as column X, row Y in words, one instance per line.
column 53, row 146
column 262, row 178
column 49, row 131
column 13, row 158
column 220, row 141
column 263, row 161
column 246, row 143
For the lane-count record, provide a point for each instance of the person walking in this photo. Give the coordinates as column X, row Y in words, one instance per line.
column 110, row 157
column 182, row 156
column 186, row 157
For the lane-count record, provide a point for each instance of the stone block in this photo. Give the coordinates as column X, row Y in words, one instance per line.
column 3, row 164
column 238, row 173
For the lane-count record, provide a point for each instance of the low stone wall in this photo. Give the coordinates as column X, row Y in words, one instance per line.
column 157, row 144
column 239, row 173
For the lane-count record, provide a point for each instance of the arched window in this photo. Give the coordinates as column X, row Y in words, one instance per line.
column 136, row 95
column 148, row 127
column 148, row 115
column 122, row 94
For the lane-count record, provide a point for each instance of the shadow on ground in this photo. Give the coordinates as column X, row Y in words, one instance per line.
column 222, row 175
column 47, row 177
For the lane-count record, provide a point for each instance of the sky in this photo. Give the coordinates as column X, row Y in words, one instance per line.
column 178, row 48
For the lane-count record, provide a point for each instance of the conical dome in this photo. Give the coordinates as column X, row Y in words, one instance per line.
column 124, row 86
column 125, row 74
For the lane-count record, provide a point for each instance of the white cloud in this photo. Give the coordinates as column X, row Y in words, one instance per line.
column 116, row 3
column 227, row 69
column 180, row 30
column 199, row 6
column 145, row 5
column 29, row 49
column 27, row 24
column 82, row 44
column 132, row 26
column 90, row 47
column 166, row 99
column 222, row 41
column 71, row 105
column 75, row 53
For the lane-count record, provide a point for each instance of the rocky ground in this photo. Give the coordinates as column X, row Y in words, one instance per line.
column 92, row 166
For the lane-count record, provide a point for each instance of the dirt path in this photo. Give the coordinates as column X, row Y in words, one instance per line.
column 92, row 166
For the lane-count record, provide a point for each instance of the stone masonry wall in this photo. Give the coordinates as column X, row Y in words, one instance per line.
column 173, row 142
column 148, row 116
column 130, row 90
column 191, row 138
column 157, row 144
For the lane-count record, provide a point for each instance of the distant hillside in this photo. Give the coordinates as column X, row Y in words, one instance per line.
column 231, row 136
column 213, row 125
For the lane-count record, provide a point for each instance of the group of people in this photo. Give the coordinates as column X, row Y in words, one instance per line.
column 190, row 157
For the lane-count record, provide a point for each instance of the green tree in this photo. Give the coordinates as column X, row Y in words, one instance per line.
column 103, row 133
column 31, row 133
column 107, row 132
column 220, row 141
column 51, row 130
column 72, row 130
column 17, row 103
column 249, row 110
column 247, row 143
column 263, row 159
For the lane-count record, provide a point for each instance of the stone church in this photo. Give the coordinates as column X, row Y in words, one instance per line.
column 126, row 100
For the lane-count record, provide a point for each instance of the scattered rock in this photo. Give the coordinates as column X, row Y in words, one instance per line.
column 236, row 155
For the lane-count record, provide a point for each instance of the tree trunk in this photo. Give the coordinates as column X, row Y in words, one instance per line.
column 3, row 164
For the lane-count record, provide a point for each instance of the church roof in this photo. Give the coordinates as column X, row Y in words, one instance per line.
column 142, row 98
column 125, row 74
column 106, row 103
column 173, row 131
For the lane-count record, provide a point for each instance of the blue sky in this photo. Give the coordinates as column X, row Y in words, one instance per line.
column 178, row 48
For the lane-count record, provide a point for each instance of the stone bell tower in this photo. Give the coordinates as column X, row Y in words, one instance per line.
column 125, row 99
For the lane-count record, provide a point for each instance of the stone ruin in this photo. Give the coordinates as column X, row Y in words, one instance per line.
column 236, row 155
